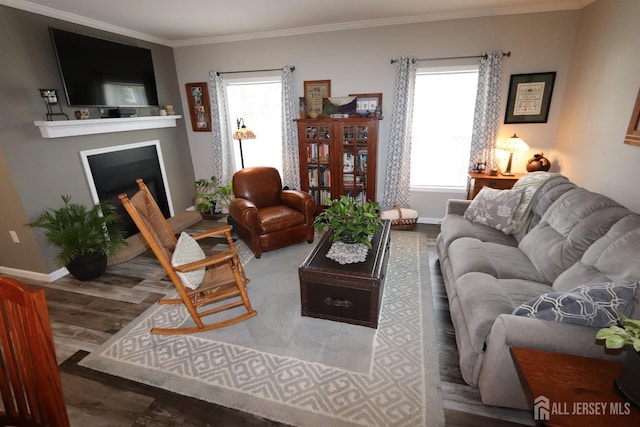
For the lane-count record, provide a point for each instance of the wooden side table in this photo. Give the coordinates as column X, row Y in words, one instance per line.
column 499, row 182
column 571, row 390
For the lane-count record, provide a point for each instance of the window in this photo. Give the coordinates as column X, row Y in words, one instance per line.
column 259, row 103
column 444, row 105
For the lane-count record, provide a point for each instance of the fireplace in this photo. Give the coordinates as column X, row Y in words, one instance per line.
column 113, row 170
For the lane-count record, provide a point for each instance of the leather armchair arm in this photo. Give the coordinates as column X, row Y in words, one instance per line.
column 245, row 212
column 299, row 200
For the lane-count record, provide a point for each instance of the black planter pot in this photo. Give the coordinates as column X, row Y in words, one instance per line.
column 88, row 267
column 628, row 385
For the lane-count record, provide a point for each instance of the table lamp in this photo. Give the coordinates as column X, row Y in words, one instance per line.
column 511, row 145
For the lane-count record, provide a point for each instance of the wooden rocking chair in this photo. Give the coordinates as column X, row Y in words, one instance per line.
column 224, row 276
column 29, row 377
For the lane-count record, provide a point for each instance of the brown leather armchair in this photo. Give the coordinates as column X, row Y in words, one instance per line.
column 266, row 216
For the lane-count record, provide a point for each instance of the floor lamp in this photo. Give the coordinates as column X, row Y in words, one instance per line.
column 242, row 133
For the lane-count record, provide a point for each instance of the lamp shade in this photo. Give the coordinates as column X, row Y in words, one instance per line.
column 512, row 144
column 244, row 133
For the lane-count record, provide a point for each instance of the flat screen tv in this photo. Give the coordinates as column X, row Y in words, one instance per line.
column 102, row 73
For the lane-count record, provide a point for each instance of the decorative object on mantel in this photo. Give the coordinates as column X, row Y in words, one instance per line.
column 82, row 114
column 529, row 97
column 633, row 131
column 538, row 163
column 169, row 109
column 352, row 221
column 198, row 99
column 511, row 145
column 50, row 97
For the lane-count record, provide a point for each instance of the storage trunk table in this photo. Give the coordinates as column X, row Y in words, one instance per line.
column 349, row 293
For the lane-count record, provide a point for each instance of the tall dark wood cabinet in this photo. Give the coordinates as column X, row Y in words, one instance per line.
column 338, row 156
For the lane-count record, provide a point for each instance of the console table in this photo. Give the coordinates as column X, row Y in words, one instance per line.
column 499, row 182
column 349, row 293
column 574, row 390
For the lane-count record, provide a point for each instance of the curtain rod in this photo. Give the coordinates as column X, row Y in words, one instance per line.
column 484, row 56
column 292, row 68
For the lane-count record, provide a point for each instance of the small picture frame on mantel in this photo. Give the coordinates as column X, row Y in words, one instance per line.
column 198, row 99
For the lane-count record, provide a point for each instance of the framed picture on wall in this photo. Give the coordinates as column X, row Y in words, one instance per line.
column 198, row 99
column 632, row 136
column 314, row 92
column 529, row 97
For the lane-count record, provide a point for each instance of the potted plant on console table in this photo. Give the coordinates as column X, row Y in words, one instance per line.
column 84, row 237
column 627, row 333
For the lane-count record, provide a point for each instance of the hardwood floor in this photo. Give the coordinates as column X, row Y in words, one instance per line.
column 84, row 315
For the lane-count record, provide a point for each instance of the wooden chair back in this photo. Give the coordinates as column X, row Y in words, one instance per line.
column 29, row 377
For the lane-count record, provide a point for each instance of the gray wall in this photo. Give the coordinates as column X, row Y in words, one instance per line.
column 602, row 88
column 34, row 171
column 358, row 61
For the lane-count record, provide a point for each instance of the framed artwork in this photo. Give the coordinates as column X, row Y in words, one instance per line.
column 367, row 102
column 198, row 98
column 633, row 131
column 529, row 97
column 314, row 92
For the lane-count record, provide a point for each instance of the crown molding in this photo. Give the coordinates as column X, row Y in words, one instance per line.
column 77, row 19
column 551, row 6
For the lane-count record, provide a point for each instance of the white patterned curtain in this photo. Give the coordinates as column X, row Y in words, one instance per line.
column 487, row 113
column 221, row 142
column 397, row 175
column 290, row 159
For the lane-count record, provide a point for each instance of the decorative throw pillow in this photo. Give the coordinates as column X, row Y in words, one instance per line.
column 188, row 250
column 494, row 208
column 593, row 304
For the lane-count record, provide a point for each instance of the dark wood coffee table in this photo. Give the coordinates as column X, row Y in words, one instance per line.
column 349, row 293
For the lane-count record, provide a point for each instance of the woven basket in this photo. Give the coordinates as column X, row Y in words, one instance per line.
column 403, row 223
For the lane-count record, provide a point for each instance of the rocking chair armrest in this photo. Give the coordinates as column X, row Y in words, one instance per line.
column 226, row 229
column 211, row 260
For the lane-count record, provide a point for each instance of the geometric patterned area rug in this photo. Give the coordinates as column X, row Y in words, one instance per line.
column 298, row 370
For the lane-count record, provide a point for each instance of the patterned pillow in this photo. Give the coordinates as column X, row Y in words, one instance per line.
column 593, row 304
column 494, row 208
column 188, row 250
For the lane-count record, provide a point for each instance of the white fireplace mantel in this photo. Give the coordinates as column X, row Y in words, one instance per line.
column 64, row 128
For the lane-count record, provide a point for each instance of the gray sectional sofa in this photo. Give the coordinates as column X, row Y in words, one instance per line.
column 564, row 236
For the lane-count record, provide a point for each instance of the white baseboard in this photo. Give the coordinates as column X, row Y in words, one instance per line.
column 32, row 275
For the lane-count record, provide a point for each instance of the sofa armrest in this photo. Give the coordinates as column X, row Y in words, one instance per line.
column 300, row 201
column 500, row 383
column 457, row 206
column 244, row 212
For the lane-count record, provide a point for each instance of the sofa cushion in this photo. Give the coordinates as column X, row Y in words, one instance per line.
column 494, row 208
column 570, row 225
column 593, row 304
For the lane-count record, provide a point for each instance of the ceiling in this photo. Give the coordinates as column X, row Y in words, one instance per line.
column 190, row 22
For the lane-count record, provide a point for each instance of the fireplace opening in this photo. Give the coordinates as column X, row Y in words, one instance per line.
column 113, row 171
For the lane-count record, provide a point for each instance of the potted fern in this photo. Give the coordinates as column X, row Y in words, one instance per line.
column 85, row 237
column 210, row 196
column 625, row 334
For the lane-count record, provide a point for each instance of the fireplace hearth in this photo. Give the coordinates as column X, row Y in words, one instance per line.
column 114, row 170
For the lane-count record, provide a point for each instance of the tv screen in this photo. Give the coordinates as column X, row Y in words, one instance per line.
column 102, row 73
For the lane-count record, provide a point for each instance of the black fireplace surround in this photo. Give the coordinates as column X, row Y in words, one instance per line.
column 116, row 172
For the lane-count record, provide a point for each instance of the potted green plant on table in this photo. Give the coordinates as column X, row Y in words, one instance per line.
column 210, row 196
column 351, row 220
column 625, row 334
column 85, row 237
